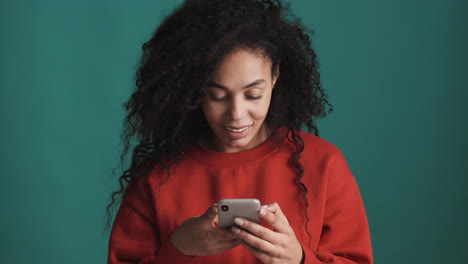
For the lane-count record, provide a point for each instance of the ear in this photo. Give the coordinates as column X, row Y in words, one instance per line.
column 275, row 75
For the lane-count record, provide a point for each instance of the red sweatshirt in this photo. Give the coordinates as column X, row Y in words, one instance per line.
column 338, row 227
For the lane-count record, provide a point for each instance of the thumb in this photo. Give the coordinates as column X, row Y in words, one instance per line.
column 210, row 213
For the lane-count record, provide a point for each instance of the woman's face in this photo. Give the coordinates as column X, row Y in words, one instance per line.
column 236, row 101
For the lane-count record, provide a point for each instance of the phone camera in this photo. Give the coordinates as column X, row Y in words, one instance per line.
column 224, row 208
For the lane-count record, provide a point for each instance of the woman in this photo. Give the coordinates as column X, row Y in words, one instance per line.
column 222, row 91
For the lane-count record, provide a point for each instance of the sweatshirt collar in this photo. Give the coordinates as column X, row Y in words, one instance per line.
column 215, row 158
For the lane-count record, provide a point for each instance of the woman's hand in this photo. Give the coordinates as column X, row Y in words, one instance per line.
column 199, row 236
column 270, row 246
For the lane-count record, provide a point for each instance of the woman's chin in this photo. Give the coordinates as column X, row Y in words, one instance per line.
column 236, row 146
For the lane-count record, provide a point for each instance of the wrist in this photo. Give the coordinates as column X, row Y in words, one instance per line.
column 302, row 256
column 174, row 242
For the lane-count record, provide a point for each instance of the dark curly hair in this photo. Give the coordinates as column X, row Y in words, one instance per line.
column 164, row 114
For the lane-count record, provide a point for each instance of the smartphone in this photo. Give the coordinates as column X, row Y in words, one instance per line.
column 228, row 209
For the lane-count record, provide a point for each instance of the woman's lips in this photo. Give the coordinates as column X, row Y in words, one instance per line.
column 237, row 132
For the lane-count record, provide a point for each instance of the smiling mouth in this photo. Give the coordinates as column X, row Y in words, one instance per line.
column 237, row 130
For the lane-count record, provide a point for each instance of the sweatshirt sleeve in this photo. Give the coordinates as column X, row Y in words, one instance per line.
column 345, row 234
column 134, row 237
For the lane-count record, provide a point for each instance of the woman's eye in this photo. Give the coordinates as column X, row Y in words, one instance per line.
column 218, row 98
column 221, row 98
column 250, row 97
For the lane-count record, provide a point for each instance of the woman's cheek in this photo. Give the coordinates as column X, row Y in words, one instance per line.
column 260, row 112
column 213, row 112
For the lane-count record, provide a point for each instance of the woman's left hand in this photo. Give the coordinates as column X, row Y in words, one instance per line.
column 279, row 245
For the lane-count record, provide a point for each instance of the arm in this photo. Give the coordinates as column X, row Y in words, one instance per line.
column 134, row 237
column 345, row 234
column 345, row 237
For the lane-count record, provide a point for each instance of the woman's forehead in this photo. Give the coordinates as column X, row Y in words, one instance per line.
column 241, row 69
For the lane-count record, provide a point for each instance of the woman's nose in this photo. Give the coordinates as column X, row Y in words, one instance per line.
column 236, row 110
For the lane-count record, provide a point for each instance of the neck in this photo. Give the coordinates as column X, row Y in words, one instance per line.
column 209, row 141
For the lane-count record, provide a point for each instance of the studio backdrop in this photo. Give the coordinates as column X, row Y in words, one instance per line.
column 395, row 72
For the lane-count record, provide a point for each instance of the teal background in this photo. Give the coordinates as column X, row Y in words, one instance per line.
column 395, row 71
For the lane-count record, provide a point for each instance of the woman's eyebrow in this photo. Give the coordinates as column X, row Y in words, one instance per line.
column 217, row 85
column 256, row 82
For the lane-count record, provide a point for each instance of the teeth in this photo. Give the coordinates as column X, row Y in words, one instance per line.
column 237, row 130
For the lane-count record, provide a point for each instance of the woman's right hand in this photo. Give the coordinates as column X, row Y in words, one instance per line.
column 199, row 236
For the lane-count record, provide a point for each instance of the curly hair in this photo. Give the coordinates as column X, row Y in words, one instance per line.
column 164, row 114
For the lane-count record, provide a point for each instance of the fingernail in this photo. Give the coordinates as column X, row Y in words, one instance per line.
column 238, row 221
column 235, row 230
column 264, row 206
column 262, row 212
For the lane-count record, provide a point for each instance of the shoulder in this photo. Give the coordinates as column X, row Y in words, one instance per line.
column 324, row 158
column 319, row 147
